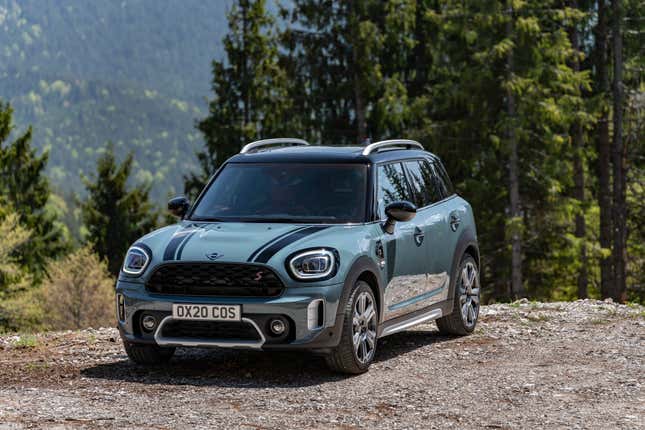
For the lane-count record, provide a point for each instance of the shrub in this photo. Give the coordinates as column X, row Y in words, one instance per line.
column 18, row 309
column 78, row 292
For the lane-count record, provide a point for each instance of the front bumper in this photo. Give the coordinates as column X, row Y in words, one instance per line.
column 298, row 304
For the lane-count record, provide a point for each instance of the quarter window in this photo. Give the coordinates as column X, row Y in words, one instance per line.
column 425, row 185
column 392, row 186
column 444, row 180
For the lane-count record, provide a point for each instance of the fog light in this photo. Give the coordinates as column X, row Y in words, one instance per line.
column 148, row 322
column 277, row 326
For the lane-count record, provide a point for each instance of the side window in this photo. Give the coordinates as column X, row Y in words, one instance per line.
column 424, row 183
column 444, row 180
column 391, row 186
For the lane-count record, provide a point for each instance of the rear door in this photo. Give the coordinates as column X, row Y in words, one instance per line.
column 404, row 250
column 452, row 211
column 429, row 195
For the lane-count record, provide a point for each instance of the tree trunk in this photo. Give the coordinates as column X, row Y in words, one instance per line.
column 361, row 128
column 581, row 224
column 618, row 292
column 579, row 179
column 517, row 287
column 604, row 191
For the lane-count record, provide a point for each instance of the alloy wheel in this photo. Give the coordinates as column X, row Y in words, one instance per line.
column 364, row 327
column 469, row 294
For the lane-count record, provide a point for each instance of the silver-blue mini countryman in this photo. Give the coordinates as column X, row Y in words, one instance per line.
column 292, row 246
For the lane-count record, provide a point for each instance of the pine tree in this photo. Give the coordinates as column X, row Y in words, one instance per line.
column 500, row 97
column 114, row 214
column 26, row 188
column 333, row 52
column 250, row 91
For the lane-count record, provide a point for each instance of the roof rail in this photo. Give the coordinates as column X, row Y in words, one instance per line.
column 391, row 144
column 269, row 142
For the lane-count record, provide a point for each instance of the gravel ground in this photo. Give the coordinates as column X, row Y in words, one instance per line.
column 528, row 365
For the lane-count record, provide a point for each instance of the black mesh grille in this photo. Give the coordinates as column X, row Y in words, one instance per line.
column 215, row 279
column 215, row 330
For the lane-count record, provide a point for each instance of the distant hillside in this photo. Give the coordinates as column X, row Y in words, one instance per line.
column 136, row 72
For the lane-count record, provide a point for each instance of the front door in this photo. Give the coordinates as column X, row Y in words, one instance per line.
column 405, row 249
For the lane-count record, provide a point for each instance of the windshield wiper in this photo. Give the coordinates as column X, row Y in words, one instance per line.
column 205, row 218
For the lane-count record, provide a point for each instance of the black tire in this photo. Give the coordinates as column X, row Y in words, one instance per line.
column 454, row 323
column 148, row 355
column 344, row 358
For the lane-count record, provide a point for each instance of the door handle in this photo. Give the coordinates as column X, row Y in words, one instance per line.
column 418, row 236
column 454, row 222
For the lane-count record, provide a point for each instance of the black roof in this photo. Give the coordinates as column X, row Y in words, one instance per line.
column 326, row 154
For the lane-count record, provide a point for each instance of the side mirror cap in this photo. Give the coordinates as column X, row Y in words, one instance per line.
column 178, row 206
column 401, row 211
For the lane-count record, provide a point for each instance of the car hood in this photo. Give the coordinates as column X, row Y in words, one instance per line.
column 256, row 243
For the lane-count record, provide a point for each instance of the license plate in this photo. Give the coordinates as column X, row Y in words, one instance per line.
column 207, row 312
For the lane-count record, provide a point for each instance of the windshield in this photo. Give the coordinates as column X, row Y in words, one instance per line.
column 316, row 193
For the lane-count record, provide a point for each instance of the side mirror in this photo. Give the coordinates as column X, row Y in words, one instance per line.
column 398, row 211
column 178, row 206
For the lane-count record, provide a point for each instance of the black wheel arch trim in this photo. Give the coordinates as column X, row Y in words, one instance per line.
column 466, row 240
column 330, row 336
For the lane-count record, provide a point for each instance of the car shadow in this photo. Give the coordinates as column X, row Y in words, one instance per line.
column 251, row 369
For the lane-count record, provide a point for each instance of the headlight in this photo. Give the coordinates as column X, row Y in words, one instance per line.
column 313, row 264
column 136, row 260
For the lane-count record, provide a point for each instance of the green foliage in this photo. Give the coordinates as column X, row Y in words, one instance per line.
column 14, row 238
column 250, row 91
column 115, row 215
column 18, row 309
column 26, row 341
column 25, row 187
column 443, row 73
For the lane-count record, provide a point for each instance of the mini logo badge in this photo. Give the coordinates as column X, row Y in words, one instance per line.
column 213, row 256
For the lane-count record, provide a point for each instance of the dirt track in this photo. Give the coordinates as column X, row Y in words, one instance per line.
column 556, row 365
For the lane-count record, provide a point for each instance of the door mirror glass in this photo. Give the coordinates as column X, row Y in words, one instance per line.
column 178, row 206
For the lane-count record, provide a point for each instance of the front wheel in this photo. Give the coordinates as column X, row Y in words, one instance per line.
column 357, row 346
column 465, row 310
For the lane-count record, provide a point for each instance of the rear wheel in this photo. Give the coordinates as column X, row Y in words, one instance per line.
column 465, row 310
column 357, row 346
column 149, row 355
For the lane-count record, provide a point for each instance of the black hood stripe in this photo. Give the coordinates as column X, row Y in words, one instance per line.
column 257, row 251
column 183, row 244
column 272, row 249
column 175, row 242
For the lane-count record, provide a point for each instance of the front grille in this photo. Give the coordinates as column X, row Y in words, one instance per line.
column 215, row 279
column 215, row 330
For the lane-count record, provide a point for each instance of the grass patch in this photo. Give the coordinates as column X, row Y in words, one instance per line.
column 637, row 315
column 26, row 341
column 36, row 366
column 599, row 321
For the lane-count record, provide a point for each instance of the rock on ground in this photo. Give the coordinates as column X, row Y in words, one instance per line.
column 528, row 365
